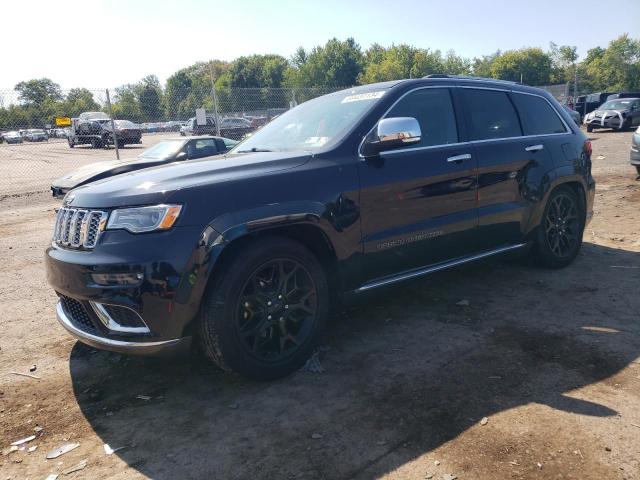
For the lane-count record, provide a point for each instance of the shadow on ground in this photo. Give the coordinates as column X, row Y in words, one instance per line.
column 406, row 371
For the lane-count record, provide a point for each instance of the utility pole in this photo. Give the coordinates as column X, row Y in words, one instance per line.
column 214, row 97
column 113, row 126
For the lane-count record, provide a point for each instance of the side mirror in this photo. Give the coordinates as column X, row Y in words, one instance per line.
column 181, row 156
column 392, row 133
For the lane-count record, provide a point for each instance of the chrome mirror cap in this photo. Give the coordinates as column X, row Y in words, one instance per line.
column 392, row 133
column 398, row 131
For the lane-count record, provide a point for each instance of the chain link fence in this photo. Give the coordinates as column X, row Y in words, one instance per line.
column 35, row 150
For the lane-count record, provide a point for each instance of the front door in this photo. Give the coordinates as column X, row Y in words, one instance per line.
column 418, row 204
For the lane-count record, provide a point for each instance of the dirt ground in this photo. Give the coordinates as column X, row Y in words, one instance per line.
column 537, row 377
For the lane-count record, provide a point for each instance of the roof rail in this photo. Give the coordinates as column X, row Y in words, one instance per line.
column 469, row 77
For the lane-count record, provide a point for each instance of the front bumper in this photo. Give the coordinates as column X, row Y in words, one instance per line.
column 163, row 298
column 609, row 120
column 157, row 348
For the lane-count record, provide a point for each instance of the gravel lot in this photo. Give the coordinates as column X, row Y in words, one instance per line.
column 30, row 167
column 537, row 377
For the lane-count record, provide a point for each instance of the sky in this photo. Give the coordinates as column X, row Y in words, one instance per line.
column 100, row 43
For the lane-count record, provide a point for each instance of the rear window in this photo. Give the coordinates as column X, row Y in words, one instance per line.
column 490, row 114
column 537, row 116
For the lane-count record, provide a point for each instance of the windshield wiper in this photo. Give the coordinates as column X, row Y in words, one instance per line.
column 255, row 149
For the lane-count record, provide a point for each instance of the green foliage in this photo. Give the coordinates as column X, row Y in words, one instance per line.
column 36, row 91
column 615, row 68
column 532, row 65
column 335, row 64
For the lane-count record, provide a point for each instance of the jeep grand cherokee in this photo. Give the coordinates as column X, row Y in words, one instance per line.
column 345, row 193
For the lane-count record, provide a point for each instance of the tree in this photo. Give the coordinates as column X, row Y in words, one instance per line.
column 617, row 67
column 79, row 100
column 532, row 65
column 258, row 71
column 149, row 96
column 336, row 64
column 125, row 104
column 176, row 91
column 563, row 60
column 481, row 67
column 36, row 91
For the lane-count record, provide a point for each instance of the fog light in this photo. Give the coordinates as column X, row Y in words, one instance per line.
column 113, row 279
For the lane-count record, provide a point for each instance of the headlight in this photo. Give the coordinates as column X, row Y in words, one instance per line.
column 144, row 219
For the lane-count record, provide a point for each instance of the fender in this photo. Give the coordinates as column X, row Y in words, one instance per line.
column 223, row 230
column 539, row 196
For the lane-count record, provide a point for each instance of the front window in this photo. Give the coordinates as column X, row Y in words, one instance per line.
column 124, row 124
column 163, row 150
column 314, row 124
column 616, row 105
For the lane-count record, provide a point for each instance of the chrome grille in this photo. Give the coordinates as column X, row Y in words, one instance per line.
column 78, row 228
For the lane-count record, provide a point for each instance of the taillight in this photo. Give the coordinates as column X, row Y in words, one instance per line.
column 587, row 148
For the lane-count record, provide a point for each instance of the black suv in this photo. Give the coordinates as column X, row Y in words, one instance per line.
column 345, row 193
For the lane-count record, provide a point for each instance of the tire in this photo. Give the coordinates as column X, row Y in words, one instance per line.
column 589, row 128
column 96, row 143
column 71, row 143
column 638, row 169
column 559, row 235
column 120, row 144
column 236, row 304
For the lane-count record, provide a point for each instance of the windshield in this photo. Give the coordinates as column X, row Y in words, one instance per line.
column 616, row 105
column 163, row 149
column 313, row 124
column 124, row 124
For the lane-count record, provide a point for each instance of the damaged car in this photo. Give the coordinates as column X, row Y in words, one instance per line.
column 617, row 114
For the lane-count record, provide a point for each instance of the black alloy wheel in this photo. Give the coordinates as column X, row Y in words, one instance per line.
column 562, row 225
column 265, row 309
column 276, row 309
column 559, row 236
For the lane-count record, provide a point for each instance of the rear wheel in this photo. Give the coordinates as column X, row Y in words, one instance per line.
column 589, row 128
column 264, row 313
column 71, row 143
column 638, row 169
column 559, row 235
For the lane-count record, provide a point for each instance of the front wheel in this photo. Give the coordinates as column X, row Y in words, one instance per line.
column 559, row 236
column 589, row 128
column 264, row 312
column 71, row 143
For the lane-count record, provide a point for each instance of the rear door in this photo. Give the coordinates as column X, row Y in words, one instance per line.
column 418, row 203
column 504, row 155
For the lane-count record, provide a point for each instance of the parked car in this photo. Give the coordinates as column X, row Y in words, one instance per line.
column 341, row 195
column 36, row 135
column 575, row 116
column 186, row 128
column 619, row 114
column 127, row 133
column 98, row 132
column 166, row 151
column 12, row 137
column 231, row 127
column 635, row 150
column 593, row 101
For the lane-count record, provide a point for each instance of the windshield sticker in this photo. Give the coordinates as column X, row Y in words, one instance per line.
column 316, row 141
column 363, row 96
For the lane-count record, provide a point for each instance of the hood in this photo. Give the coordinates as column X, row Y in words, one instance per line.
column 157, row 184
column 599, row 112
column 86, row 173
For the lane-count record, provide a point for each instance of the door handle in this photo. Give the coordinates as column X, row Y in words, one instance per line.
column 534, row 148
column 459, row 158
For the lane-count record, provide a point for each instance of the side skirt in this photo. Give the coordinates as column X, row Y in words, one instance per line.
column 419, row 272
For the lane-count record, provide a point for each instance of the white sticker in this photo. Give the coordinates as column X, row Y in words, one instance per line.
column 363, row 96
column 316, row 141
